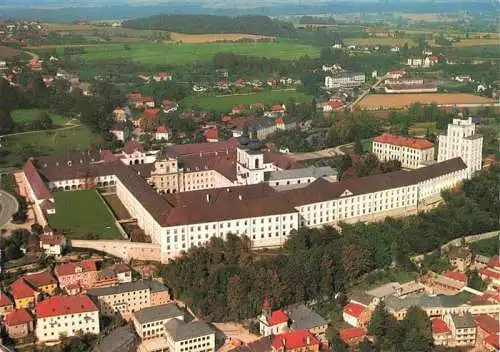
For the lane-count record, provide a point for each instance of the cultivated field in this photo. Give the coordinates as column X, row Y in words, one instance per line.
column 7, row 53
column 83, row 212
column 210, row 38
column 178, row 54
column 21, row 146
column 399, row 101
column 29, row 115
column 471, row 42
column 226, row 103
column 379, row 41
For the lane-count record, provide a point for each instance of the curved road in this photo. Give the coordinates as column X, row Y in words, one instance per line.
column 8, row 207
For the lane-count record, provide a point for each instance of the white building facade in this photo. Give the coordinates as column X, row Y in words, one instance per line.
column 345, row 80
column 411, row 152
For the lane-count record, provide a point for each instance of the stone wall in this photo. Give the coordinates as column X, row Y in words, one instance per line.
column 124, row 250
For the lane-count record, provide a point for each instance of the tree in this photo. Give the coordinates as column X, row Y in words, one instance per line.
column 417, row 331
column 45, row 120
column 6, row 122
column 358, row 146
column 378, row 322
column 474, row 280
column 390, row 166
column 336, row 343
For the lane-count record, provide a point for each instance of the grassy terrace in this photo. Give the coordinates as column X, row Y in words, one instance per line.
column 21, row 146
column 226, row 103
column 179, row 54
column 30, row 115
column 81, row 213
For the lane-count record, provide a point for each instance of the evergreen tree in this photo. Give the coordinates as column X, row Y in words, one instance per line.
column 358, row 146
column 417, row 331
column 378, row 322
column 337, row 344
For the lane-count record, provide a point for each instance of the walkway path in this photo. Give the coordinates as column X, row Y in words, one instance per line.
column 324, row 153
column 8, row 207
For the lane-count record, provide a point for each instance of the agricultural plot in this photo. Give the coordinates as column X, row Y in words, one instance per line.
column 7, row 53
column 179, row 54
column 400, row 101
column 29, row 115
column 17, row 148
column 380, row 41
column 80, row 213
column 470, row 42
column 226, row 103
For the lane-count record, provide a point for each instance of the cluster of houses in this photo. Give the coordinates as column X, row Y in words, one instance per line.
column 455, row 323
column 44, row 306
column 16, row 32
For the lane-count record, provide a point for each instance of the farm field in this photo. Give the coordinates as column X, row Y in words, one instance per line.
column 226, row 103
column 470, row 42
column 59, row 141
column 210, row 38
column 29, row 115
column 179, row 54
column 83, row 212
column 379, row 41
column 399, row 101
column 7, row 53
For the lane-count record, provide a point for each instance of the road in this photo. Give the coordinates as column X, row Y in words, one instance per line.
column 8, row 207
column 365, row 93
column 37, row 131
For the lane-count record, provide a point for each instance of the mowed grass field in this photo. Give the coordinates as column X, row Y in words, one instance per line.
column 399, row 101
column 30, row 115
column 226, row 103
column 21, row 146
column 80, row 213
column 380, row 41
column 179, row 54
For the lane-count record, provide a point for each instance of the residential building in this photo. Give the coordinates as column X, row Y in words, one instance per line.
column 150, row 322
column 159, row 293
column 122, row 339
column 123, row 272
column 196, row 336
column 43, row 282
column 161, row 133
column 53, row 245
column 463, row 328
column 396, row 74
column 6, row 304
column 18, row 323
column 24, row 295
column 65, row 315
column 345, row 80
column 272, row 322
column 402, row 88
column 397, row 289
column 461, row 140
column 487, row 324
column 411, row 152
column 123, row 299
column 83, row 273
column 352, row 313
column 211, row 134
column 295, row 341
column 441, row 334
column 352, row 336
column 118, row 130
column 162, row 76
column 451, row 280
column 302, row 318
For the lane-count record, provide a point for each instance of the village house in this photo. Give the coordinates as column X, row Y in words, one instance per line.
column 162, row 76
column 302, row 318
column 463, row 328
column 65, row 315
column 35, row 65
column 161, row 133
column 123, row 272
column 53, row 245
column 82, row 273
column 451, row 280
column 211, row 134
column 121, row 114
column 352, row 336
column 441, row 334
column 150, row 322
column 169, row 106
column 272, row 322
column 193, row 336
column 118, row 130
column 356, row 315
column 24, row 295
column 18, row 323
column 295, row 341
column 491, row 273
column 43, row 282
column 6, row 304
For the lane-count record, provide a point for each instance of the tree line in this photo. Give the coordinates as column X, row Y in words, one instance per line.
column 226, row 280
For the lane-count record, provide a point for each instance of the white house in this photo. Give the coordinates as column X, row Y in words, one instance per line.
column 53, row 245
column 161, row 133
column 352, row 312
column 196, row 336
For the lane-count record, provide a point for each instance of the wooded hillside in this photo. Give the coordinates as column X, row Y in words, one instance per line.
column 201, row 24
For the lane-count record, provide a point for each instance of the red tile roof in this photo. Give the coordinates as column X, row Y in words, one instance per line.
column 21, row 289
column 47, row 205
column 277, row 107
column 279, row 121
column 54, row 240
column 5, row 300
column 71, row 268
column 354, row 309
column 488, row 323
column 455, row 275
column 294, row 340
column 150, row 113
column 493, row 340
column 202, row 148
column 62, row 305
column 351, row 333
column 40, row 279
column 490, row 273
column 162, row 129
column 277, row 317
column 134, row 97
column 225, row 164
column 17, row 317
column 35, row 181
column 439, row 326
column 212, row 133
column 414, row 143
column 131, row 146
column 494, row 261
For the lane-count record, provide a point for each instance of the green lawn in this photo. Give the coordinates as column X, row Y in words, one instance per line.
column 226, row 103
column 179, row 54
column 15, row 149
column 29, row 115
column 82, row 212
column 420, row 128
column 488, row 247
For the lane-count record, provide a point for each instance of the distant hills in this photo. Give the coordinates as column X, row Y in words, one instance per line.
column 200, row 24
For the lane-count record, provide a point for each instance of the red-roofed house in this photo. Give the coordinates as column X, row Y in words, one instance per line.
column 53, row 245
column 83, row 273
column 272, row 323
column 18, row 323
column 295, row 341
column 162, row 76
column 67, row 315
column 135, row 99
column 161, row 133
column 491, row 275
column 352, row 314
column 6, row 304
column 492, row 343
column 42, row 282
column 211, row 134
column 24, row 295
column 35, row 65
column 440, row 332
column 494, row 262
column 352, row 336
column 396, row 74
column 457, row 276
column 411, row 152
column 169, row 105
column 150, row 113
column 332, row 105
column 488, row 324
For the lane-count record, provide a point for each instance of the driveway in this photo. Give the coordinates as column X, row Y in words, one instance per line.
column 8, row 207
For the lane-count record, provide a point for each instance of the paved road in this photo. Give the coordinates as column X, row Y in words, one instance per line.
column 362, row 95
column 323, row 153
column 8, row 206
